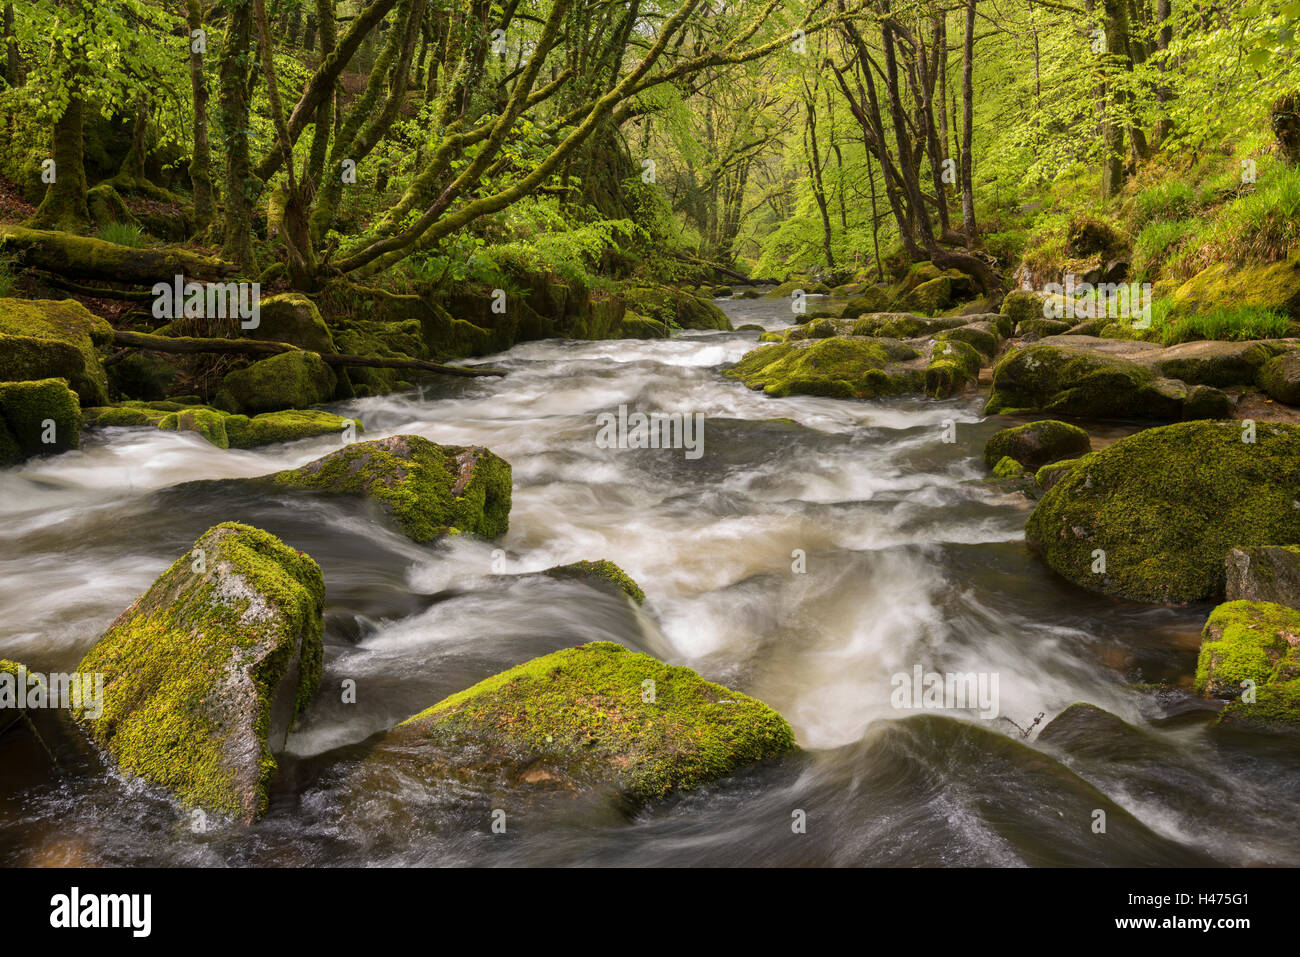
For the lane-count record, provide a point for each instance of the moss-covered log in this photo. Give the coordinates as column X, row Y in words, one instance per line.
column 87, row 258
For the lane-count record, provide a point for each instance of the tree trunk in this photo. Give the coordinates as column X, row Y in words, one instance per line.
column 967, row 128
column 233, row 114
column 64, row 206
column 201, row 162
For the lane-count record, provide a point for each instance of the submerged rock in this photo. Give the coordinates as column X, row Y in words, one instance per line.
column 430, row 490
column 1164, row 506
column 44, row 338
column 1264, row 573
column 1084, row 730
column 206, row 671
column 601, row 716
column 602, row 573
column 1252, row 649
column 1037, row 443
column 37, row 418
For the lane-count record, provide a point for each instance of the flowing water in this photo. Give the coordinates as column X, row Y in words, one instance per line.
column 908, row 558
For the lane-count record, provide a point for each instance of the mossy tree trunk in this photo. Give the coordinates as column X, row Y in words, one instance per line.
column 64, row 206
column 233, row 112
column 201, row 162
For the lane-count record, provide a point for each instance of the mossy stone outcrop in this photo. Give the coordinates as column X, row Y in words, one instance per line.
column 429, row 490
column 1037, row 443
column 602, row 573
column 869, row 300
column 1020, row 305
column 38, row 417
column 1271, row 286
column 1061, row 376
column 1215, row 363
column 44, row 338
column 982, row 336
column 675, row 307
column 1252, row 649
column 291, row 380
column 293, row 318
column 846, row 368
column 954, row 364
column 206, row 671
column 1268, row 573
column 600, row 715
column 1165, row 506
column 927, row 298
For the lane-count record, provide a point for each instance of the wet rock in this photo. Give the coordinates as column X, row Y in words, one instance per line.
column 846, row 368
column 1084, row 730
column 596, row 716
column 1165, row 505
column 1037, row 443
column 953, row 365
column 38, row 417
column 206, row 671
column 1269, row 573
column 429, row 490
column 602, row 573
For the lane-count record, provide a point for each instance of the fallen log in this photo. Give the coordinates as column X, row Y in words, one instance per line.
column 257, row 347
column 85, row 257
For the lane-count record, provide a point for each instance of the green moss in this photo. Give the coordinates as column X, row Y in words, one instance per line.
column 208, row 423
column 41, row 338
column 1050, row 474
column 286, row 426
column 113, row 415
column 837, row 367
column 980, row 336
column 1007, row 467
column 1280, row 377
column 928, row 297
column 674, row 307
column 34, row 411
column 1037, row 443
column 1021, row 306
column 293, row 318
column 639, row 327
column 953, row 364
column 1074, row 381
column 603, row 571
column 1207, row 402
column 1167, row 504
column 1248, row 640
column 291, row 380
column 1272, row 286
column 872, row 299
column 430, row 490
column 588, row 708
column 194, row 668
column 1041, row 328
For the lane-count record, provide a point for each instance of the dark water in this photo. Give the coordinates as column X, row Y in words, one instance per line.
column 911, row 559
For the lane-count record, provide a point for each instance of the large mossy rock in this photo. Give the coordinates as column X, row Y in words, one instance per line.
column 1167, row 504
column 602, row 574
column 1280, row 377
column 845, row 368
column 1037, row 443
column 206, row 671
column 293, row 318
column 928, row 297
column 1264, row 573
column 220, row 428
column 675, row 307
column 44, row 338
column 1065, row 375
column 37, row 418
column 1215, row 363
column 430, row 490
column 601, row 716
column 291, row 380
column 1248, row 648
column 1272, row 286
column 872, row 299
column 954, row 364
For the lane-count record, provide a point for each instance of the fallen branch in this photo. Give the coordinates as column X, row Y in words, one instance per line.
column 68, row 254
column 94, row 291
column 183, row 345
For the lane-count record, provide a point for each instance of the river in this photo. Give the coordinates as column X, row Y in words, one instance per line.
column 909, row 557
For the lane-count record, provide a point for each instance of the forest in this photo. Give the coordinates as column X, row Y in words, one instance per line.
column 576, row 432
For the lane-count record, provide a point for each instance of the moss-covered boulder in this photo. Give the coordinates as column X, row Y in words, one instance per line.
column 639, row 327
column 289, row 425
column 675, row 307
column 982, row 336
column 846, row 368
column 1271, row 286
column 205, row 672
column 1215, row 363
column 1251, row 650
column 45, row 338
column 430, row 490
column 12, row 674
column 869, row 300
column 1007, row 468
column 953, row 365
column 1019, row 306
column 1165, row 505
column 291, row 380
column 602, row 573
column 1033, row 329
column 903, row 325
column 293, row 318
column 600, row 716
column 208, row 423
column 1268, row 573
column 1280, row 377
column 1060, row 376
column 1207, row 402
column 927, row 298
column 37, row 418
column 1050, row 474
column 1037, row 443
